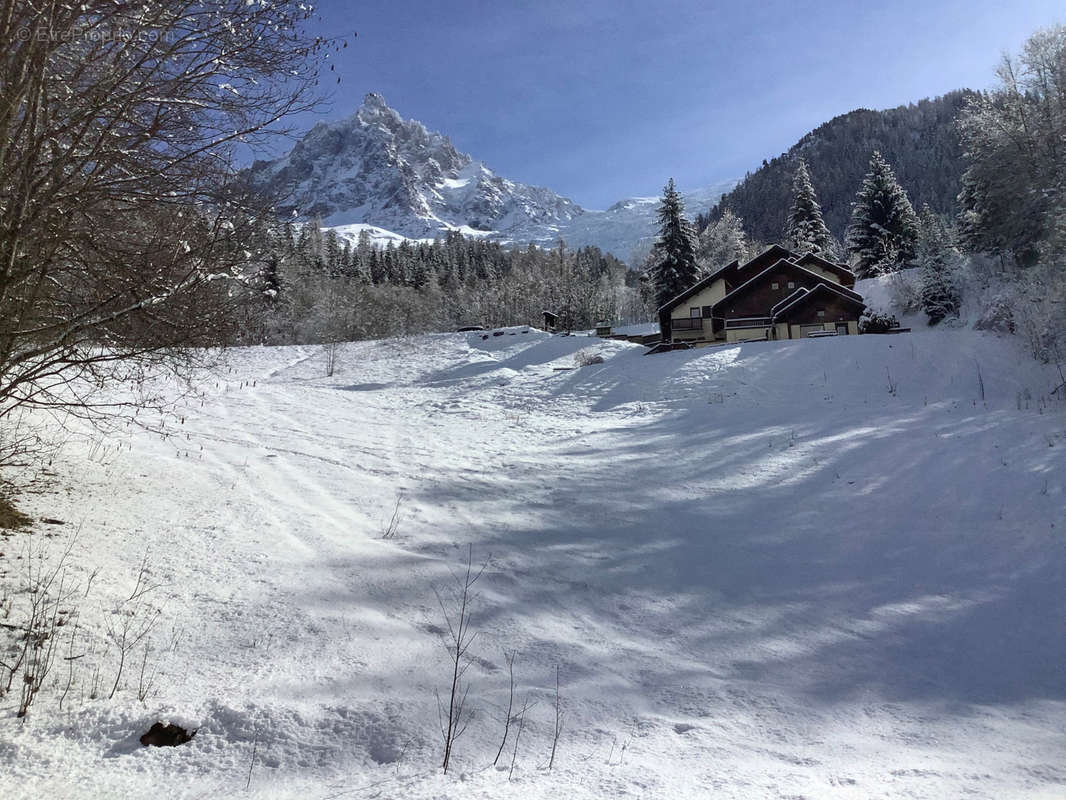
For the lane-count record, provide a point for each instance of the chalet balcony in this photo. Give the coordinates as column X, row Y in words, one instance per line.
column 748, row 322
column 687, row 324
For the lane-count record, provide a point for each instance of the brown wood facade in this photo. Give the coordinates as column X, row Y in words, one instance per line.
column 821, row 306
column 812, row 260
column 760, row 294
column 771, row 296
column 766, row 259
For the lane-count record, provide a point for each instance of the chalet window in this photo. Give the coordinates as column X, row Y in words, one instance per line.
column 694, row 312
column 773, row 285
column 821, row 313
column 706, row 312
column 791, row 284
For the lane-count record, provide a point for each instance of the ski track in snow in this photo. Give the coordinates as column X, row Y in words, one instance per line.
column 760, row 572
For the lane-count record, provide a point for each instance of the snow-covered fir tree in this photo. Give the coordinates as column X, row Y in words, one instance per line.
column 674, row 266
column 939, row 263
column 806, row 231
column 269, row 277
column 884, row 228
column 722, row 242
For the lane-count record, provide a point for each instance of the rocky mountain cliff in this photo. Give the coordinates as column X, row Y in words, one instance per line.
column 377, row 171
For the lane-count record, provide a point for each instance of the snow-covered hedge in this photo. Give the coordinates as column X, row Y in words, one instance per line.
column 873, row 321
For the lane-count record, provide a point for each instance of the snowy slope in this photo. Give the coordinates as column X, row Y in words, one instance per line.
column 397, row 179
column 824, row 569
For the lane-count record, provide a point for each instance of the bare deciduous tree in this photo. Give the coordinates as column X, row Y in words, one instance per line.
column 454, row 715
column 124, row 228
column 510, row 705
column 558, row 729
column 133, row 626
column 526, row 706
column 389, row 528
column 47, row 593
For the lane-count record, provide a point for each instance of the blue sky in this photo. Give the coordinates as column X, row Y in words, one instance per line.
column 602, row 100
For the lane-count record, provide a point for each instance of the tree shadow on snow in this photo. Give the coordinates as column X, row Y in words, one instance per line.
column 786, row 553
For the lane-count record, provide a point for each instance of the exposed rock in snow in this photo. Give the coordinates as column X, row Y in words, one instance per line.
column 171, row 735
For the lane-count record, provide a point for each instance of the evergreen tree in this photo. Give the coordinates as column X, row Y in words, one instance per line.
column 376, row 267
column 332, row 253
column 806, row 231
column 674, row 267
column 884, row 228
column 939, row 262
column 270, row 279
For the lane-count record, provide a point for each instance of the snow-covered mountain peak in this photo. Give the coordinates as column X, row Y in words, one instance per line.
column 375, row 168
column 373, row 100
column 378, row 168
column 374, row 111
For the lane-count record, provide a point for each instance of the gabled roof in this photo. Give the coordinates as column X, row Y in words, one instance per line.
column 721, row 271
column 826, row 264
column 800, row 291
column 821, row 288
column 697, row 287
column 771, row 254
column 791, row 265
column 774, row 254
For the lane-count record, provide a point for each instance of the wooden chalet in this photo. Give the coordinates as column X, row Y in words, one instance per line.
column 776, row 295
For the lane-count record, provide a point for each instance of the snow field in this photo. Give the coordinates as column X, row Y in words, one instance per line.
column 824, row 569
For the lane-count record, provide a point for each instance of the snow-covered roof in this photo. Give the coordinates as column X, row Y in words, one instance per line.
column 698, row 286
column 849, row 296
column 825, row 263
column 795, row 295
column 774, row 249
column 787, row 256
column 791, row 265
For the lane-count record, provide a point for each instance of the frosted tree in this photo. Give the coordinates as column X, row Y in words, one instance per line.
column 313, row 292
column 674, row 267
column 884, row 228
column 722, row 242
column 806, row 231
column 939, row 263
column 1014, row 189
column 331, row 252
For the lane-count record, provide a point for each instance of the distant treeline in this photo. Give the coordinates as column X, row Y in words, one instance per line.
column 319, row 287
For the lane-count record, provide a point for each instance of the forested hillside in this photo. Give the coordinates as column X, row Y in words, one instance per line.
column 919, row 140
